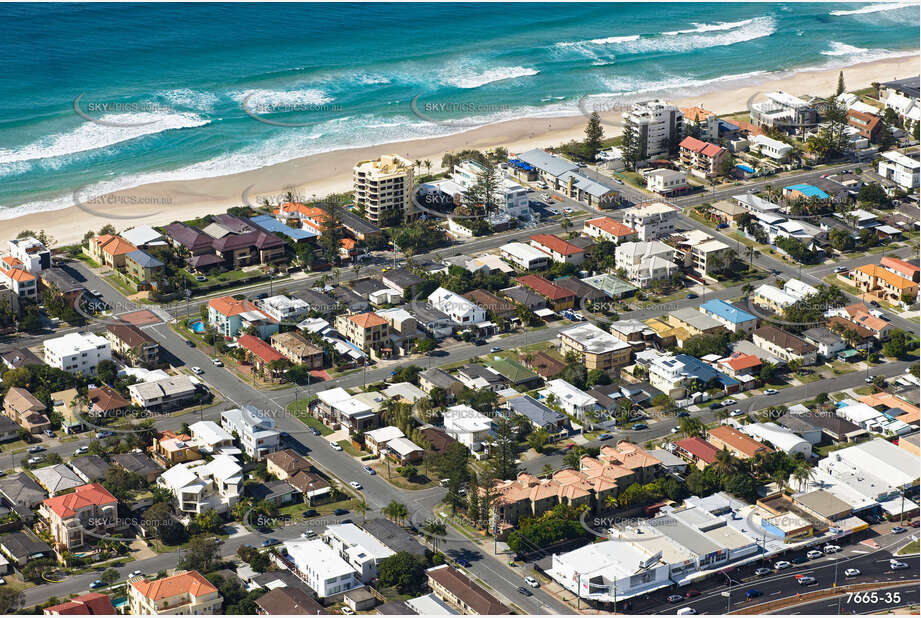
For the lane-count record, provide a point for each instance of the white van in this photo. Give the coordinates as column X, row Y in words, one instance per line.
column 687, row 611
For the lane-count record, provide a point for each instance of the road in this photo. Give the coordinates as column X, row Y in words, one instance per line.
column 887, row 599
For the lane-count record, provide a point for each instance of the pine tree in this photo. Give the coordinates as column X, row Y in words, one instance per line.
column 632, row 152
column 840, row 83
column 330, row 231
column 484, row 193
column 594, row 134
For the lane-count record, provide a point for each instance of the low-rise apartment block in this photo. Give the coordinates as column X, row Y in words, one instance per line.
column 609, row 229
column 77, row 352
column 595, row 348
column 255, row 431
column 652, row 220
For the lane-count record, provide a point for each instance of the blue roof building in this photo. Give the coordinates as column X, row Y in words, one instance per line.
column 730, row 316
column 270, row 224
column 806, row 191
column 696, row 368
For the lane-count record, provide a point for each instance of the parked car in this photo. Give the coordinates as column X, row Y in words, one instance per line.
column 851, row 572
column 311, row 513
column 897, row 530
column 605, row 436
column 780, row 565
column 355, row 485
column 674, row 598
column 96, row 293
column 716, row 405
column 36, row 460
column 799, row 560
column 683, row 414
column 190, row 343
column 339, row 512
column 495, row 348
column 314, row 431
column 762, row 571
column 690, row 594
column 640, row 426
column 736, row 413
column 685, row 611
column 525, row 591
column 841, row 269
column 335, row 446
column 345, row 610
column 805, row 580
column 770, row 391
column 729, row 402
column 897, row 565
column 81, row 450
column 105, row 433
column 370, row 470
column 49, row 433
column 270, row 542
column 217, row 362
column 463, row 562
column 197, row 370
column 676, row 429
column 532, row 582
column 691, row 296
column 134, row 573
column 201, row 278
column 812, row 554
column 36, row 449
column 914, row 524
column 308, row 534
column 96, row 584
column 754, row 593
column 831, row 549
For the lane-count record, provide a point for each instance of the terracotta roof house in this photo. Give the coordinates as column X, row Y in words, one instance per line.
column 437, row 440
column 110, row 250
column 286, row 463
column 87, row 514
column 901, row 267
column 558, row 249
column 230, row 315
column 697, row 450
column 91, row 604
column 701, row 158
column 883, row 283
column 258, row 351
column 557, row 297
column 739, row 444
column 310, row 484
column 24, row 408
column 184, row 593
column 451, row 586
column 106, row 401
column 867, row 124
column 609, row 229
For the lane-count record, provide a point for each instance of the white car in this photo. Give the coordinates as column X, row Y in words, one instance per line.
column 676, row 429
column 831, row 549
column 729, row 402
column 897, row 565
column 197, row 370
column 781, row 565
column 81, row 450
column 308, row 534
column 813, row 554
column 217, row 362
column 335, row 446
column 355, row 485
column 532, row 582
column 568, row 210
column 134, row 574
column 736, row 413
column 770, row 391
column 851, row 572
column 348, row 611
column 36, row 460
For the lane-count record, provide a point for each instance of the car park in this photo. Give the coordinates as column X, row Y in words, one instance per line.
column 355, row 485
column 335, row 446
column 780, row 565
column 813, row 554
column 674, row 598
column 532, row 582
column 851, row 572
column 762, row 571
column 197, row 370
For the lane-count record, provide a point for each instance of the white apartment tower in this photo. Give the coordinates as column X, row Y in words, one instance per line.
column 383, row 186
column 658, row 124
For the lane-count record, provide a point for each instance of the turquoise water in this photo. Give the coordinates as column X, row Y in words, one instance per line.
column 197, row 327
column 173, row 76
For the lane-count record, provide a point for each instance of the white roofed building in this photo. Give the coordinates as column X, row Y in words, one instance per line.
column 321, row 567
column 467, row 426
column 462, row 311
column 77, row 352
column 779, row 437
column 644, row 262
column 198, row 486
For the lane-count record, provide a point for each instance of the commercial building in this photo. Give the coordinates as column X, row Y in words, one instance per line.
column 383, row 188
column 658, row 126
column 77, row 352
column 651, row 220
column 666, row 182
column 595, row 348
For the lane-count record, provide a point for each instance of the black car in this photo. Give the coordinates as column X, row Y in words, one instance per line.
column 716, row 405
column 683, row 414
column 310, row 513
column 340, row 512
column 190, row 343
column 799, row 559
column 525, row 591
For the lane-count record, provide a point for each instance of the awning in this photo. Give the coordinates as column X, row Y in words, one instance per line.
column 545, row 313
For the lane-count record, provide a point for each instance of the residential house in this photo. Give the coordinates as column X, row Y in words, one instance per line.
column 144, row 268
column 77, row 352
column 827, row 342
column 736, row 442
column 287, row 601
column 901, row 268
column 514, row 372
column 701, row 252
column 278, row 493
column 859, row 314
column 546, row 365
column 495, row 307
column 680, row 374
column 88, row 514
column 170, row 449
column 57, row 479
column 260, row 354
column 458, row 590
column 187, row 592
column 772, row 298
column 90, row 604
column 901, row 169
column 69, row 407
column 461, row 310
column 609, row 229
column 541, row 416
column 283, row 309
column 198, row 487
column 321, row 567
column 229, row 316
column 23, row 547
column 34, row 255
column 525, row 256
column 436, row 440
column 695, row 322
column 595, row 348
column 775, row 149
column 572, row 400
column 172, row 393
column 883, row 283
column 376, row 440
column 24, row 408
column 132, row 344
column 558, row 249
column 362, row 551
column 697, row 451
column 210, row 437
column 558, row 298
column 14, row 276
column 110, row 250
column 523, row 296
column 438, row 378
column 402, row 281
column 701, row 158
column 337, row 408
column 645, row 262
column 311, row 485
column 431, row 321
column 293, row 346
column 255, row 431
column 368, row 331
column 105, row 401
column 784, row 345
column 584, row 291
column 731, row 317
column 90, row 468
column 286, row 463
column 781, row 438
column 137, row 463
column 867, row 124
column 739, row 364
column 467, row 426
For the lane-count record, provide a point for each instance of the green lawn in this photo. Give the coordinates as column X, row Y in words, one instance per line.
column 842, row 368
column 865, row 390
column 911, row 548
column 117, row 282
column 349, row 448
column 299, row 410
column 87, row 260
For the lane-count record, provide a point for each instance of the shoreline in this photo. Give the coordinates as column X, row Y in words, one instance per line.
column 331, row 172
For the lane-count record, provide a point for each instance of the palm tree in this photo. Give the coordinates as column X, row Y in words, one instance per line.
column 725, row 463
column 802, row 473
column 362, row 509
column 690, row 426
column 401, row 512
column 428, row 166
column 433, row 529
column 547, row 470
column 611, row 502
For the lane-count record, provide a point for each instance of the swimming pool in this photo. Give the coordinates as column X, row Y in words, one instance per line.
column 746, row 168
column 197, row 326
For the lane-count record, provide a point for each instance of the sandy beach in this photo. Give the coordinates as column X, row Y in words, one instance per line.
column 319, row 175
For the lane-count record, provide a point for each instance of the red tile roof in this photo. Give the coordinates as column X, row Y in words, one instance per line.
column 740, row 361
column 699, row 448
column 556, row 244
column 92, row 604
column 906, row 269
column 368, row 320
column 260, row 348
column 705, row 148
column 545, row 288
column 66, row 506
column 228, row 305
column 190, row 582
column 611, row 226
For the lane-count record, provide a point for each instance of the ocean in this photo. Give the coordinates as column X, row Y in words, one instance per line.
column 101, row 97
